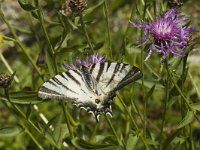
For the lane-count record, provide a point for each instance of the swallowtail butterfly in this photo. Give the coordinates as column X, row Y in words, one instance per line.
column 92, row 88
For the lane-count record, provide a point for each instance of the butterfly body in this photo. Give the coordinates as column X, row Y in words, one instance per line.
column 91, row 88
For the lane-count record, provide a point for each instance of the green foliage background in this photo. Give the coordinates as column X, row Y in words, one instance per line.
column 158, row 112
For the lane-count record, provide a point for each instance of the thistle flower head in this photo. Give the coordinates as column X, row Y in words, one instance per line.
column 5, row 80
column 70, row 67
column 170, row 36
column 90, row 60
column 73, row 7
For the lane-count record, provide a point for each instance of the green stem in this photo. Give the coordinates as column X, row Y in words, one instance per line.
column 142, row 69
column 194, row 84
column 108, row 27
column 123, row 45
column 133, row 122
column 24, row 117
column 137, row 109
column 8, row 67
column 50, row 49
column 147, row 10
column 66, row 114
column 165, row 102
column 85, row 32
column 40, row 17
column 180, row 92
column 113, row 130
column 186, row 101
column 18, row 42
column 191, row 138
column 32, row 137
column 92, row 137
column 29, row 57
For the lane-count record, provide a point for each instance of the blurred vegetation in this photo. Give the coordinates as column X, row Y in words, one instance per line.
column 158, row 112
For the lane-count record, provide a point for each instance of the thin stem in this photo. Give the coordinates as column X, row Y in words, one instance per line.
column 113, row 129
column 32, row 137
column 66, row 114
column 85, row 32
column 8, row 67
column 165, row 102
column 108, row 27
column 29, row 57
column 137, row 109
column 40, row 16
column 50, row 49
column 123, row 45
column 131, row 117
column 191, row 138
column 26, row 129
column 18, row 42
column 194, row 84
column 24, row 117
column 142, row 69
column 92, row 137
column 147, row 10
column 180, row 92
column 133, row 122
column 186, row 101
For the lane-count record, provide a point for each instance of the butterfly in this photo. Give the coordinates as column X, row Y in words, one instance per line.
column 91, row 88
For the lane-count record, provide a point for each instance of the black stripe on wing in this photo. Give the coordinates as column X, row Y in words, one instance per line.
column 60, row 83
column 73, row 78
column 133, row 75
column 46, row 93
column 108, row 66
column 64, row 85
column 88, row 79
column 100, row 71
column 111, row 76
column 117, row 66
column 44, row 89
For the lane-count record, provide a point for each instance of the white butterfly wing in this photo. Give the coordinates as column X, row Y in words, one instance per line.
column 114, row 76
column 67, row 85
column 91, row 88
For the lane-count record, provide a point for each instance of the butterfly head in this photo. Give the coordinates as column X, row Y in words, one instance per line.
column 102, row 105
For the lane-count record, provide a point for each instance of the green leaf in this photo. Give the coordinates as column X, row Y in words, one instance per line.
column 151, row 69
column 169, row 139
column 49, row 124
column 187, row 119
column 71, row 120
column 28, row 112
column 50, row 64
column 196, row 106
column 26, row 5
column 150, row 92
column 131, row 141
column 35, row 14
column 84, row 145
column 174, row 91
column 70, row 49
column 10, row 131
column 149, row 84
column 92, row 9
column 22, row 97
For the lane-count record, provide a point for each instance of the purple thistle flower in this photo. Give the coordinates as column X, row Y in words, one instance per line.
column 90, row 60
column 170, row 36
column 70, row 67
